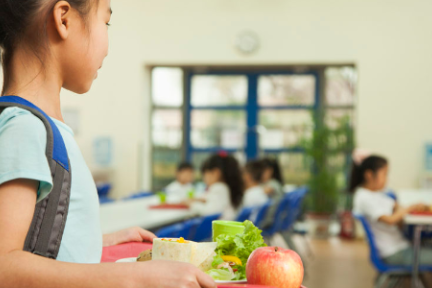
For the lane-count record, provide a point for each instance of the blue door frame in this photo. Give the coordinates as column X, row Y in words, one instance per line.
column 252, row 111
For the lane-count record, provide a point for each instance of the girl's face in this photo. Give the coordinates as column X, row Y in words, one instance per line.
column 212, row 176
column 86, row 48
column 376, row 181
column 267, row 175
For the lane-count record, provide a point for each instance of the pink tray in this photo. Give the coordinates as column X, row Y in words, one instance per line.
column 169, row 206
column 133, row 249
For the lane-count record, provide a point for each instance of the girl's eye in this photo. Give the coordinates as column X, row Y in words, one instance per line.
column 108, row 24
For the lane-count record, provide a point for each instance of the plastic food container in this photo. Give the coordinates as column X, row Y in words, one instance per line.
column 226, row 227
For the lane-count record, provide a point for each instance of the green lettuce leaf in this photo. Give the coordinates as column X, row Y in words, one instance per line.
column 240, row 245
column 220, row 274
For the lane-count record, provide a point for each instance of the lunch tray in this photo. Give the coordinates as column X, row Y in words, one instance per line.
column 169, row 206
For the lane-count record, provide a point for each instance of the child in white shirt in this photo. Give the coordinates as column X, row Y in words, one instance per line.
column 178, row 190
column 223, row 178
column 368, row 180
column 254, row 194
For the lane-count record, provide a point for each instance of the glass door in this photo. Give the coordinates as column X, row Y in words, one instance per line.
column 250, row 115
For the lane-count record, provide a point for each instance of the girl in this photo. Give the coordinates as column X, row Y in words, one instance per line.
column 368, row 180
column 47, row 45
column 254, row 194
column 272, row 182
column 272, row 178
column 223, row 178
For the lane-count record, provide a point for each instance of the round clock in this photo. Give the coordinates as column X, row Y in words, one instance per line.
column 247, row 42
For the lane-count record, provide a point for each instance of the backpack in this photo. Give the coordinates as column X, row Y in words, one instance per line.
column 49, row 219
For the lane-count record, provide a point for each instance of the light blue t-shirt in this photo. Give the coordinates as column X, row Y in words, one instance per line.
column 22, row 156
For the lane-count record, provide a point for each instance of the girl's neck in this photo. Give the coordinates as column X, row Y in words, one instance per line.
column 37, row 83
column 369, row 187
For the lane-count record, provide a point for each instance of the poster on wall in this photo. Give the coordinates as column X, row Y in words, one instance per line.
column 428, row 158
column 102, row 151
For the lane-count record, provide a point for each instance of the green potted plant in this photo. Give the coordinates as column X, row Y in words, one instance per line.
column 328, row 149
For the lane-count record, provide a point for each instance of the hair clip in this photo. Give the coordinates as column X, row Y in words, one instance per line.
column 223, row 154
column 359, row 155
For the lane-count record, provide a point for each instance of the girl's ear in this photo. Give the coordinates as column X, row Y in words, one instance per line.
column 218, row 174
column 62, row 14
column 368, row 175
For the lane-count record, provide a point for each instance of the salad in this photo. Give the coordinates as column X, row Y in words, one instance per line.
column 233, row 251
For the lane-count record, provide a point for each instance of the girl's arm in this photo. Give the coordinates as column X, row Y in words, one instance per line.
column 400, row 213
column 21, row 269
column 134, row 234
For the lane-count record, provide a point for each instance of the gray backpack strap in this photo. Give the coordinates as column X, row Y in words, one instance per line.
column 49, row 219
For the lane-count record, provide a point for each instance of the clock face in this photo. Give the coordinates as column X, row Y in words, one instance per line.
column 247, row 42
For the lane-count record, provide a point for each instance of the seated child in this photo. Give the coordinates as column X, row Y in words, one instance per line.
column 222, row 175
column 368, row 180
column 178, row 190
column 272, row 178
column 254, row 194
column 273, row 187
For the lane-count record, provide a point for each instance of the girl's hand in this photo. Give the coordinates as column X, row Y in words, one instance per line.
column 165, row 274
column 418, row 208
column 134, row 234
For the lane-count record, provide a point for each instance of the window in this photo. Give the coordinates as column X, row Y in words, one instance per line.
column 166, row 124
column 249, row 113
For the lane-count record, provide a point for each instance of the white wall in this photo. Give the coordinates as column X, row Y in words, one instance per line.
column 389, row 41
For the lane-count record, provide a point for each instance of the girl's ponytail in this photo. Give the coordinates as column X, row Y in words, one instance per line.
column 356, row 179
column 231, row 174
column 277, row 171
column 372, row 163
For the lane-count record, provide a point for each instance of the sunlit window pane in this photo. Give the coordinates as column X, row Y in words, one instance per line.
column 284, row 128
column 213, row 128
column 215, row 90
column 274, row 90
column 167, row 128
column 167, row 87
column 340, row 85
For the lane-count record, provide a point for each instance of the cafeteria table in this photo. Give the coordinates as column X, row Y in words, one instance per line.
column 125, row 214
column 133, row 249
column 420, row 223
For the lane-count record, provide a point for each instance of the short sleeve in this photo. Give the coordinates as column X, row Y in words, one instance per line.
column 23, row 139
column 377, row 206
column 217, row 199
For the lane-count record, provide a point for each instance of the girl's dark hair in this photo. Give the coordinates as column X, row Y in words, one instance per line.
column 185, row 166
column 274, row 164
column 255, row 169
column 231, row 175
column 27, row 20
column 372, row 163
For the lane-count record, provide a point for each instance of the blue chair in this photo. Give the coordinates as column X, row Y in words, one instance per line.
column 178, row 230
column 280, row 215
column 385, row 271
column 204, row 229
column 391, row 194
column 245, row 214
column 261, row 214
column 103, row 189
column 138, row 195
column 294, row 209
column 105, row 200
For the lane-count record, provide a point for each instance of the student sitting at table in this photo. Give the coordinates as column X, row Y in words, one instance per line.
column 272, row 183
column 222, row 175
column 179, row 190
column 368, row 180
column 272, row 178
column 254, row 194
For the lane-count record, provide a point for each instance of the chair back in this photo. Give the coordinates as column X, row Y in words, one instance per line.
column 204, row 229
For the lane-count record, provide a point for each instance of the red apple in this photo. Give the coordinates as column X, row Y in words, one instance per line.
column 273, row 266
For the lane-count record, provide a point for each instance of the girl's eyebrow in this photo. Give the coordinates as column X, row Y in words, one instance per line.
column 110, row 11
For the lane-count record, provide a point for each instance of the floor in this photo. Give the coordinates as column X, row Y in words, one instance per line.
column 336, row 263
